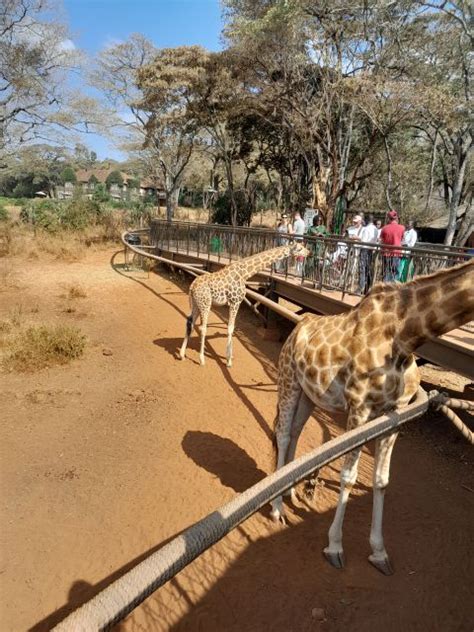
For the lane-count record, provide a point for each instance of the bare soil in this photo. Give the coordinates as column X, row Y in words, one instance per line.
column 106, row 458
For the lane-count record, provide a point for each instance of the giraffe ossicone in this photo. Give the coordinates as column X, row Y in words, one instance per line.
column 362, row 362
column 227, row 287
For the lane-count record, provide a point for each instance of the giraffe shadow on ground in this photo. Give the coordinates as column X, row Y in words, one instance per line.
column 222, row 458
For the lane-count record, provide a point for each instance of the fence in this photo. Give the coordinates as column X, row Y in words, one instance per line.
column 335, row 263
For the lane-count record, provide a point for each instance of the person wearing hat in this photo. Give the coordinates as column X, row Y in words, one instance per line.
column 391, row 235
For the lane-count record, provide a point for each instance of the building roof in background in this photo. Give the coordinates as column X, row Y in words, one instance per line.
column 84, row 175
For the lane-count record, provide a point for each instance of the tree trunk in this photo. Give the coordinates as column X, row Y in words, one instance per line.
column 230, row 188
column 458, row 180
column 467, row 226
column 171, row 202
column 388, row 186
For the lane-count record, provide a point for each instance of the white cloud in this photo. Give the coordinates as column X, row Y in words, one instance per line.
column 66, row 45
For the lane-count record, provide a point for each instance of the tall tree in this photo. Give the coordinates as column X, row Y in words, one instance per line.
column 36, row 56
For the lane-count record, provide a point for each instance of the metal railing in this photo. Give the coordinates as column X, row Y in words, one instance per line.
column 335, row 263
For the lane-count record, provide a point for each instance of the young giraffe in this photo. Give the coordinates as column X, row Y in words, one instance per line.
column 227, row 287
column 362, row 361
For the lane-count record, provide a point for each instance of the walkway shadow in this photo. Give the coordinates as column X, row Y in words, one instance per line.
column 222, row 458
column 120, row 269
column 81, row 592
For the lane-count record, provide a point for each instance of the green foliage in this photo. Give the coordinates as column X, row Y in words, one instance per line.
column 68, row 175
column 222, row 211
column 100, row 193
column 93, row 180
column 79, row 213
column 4, row 215
column 45, row 214
column 54, row 215
column 114, row 177
column 133, row 183
column 141, row 210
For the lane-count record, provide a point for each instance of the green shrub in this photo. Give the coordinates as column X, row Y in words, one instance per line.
column 114, row 177
column 79, row 213
column 45, row 214
column 4, row 215
column 100, row 193
column 40, row 347
column 68, row 175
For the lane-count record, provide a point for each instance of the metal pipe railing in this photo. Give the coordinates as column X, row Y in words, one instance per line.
column 116, row 601
column 336, row 263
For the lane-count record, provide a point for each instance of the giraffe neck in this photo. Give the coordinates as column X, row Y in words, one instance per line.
column 433, row 305
column 251, row 265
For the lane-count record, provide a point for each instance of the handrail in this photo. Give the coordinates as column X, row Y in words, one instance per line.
column 438, row 250
column 116, row 601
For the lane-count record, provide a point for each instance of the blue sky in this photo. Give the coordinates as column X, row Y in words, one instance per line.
column 95, row 24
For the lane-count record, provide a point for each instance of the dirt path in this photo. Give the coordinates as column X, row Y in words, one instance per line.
column 104, row 459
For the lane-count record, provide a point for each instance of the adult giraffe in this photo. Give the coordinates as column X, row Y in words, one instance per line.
column 362, row 362
column 227, row 287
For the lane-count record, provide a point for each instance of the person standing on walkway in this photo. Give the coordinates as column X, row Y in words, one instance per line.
column 406, row 270
column 391, row 235
column 298, row 232
column 368, row 235
column 284, row 229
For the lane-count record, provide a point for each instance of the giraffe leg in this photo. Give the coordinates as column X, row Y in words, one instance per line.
column 190, row 321
column 204, row 317
column 383, row 454
column 334, row 552
column 294, row 411
column 303, row 411
column 233, row 309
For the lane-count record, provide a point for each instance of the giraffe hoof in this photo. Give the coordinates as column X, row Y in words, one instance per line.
column 278, row 516
column 201, row 361
column 335, row 558
column 309, row 489
column 382, row 564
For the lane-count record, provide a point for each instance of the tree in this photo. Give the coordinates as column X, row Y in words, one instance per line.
column 114, row 178
column 35, row 168
column 160, row 138
column 36, row 56
column 68, row 175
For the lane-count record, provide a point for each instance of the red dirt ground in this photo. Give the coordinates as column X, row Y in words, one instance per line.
column 105, row 459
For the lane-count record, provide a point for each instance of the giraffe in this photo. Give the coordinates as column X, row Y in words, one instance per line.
column 362, row 362
column 227, row 287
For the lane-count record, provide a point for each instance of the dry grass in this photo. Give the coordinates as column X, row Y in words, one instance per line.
column 76, row 291
column 18, row 240
column 8, row 278
column 41, row 346
column 17, row 315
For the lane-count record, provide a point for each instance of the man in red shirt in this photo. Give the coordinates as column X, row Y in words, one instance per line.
column 391, row 235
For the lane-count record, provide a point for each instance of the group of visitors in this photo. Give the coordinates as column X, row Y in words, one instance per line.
column 396, row 262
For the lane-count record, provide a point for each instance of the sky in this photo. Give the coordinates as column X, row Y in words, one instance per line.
column 95, row 24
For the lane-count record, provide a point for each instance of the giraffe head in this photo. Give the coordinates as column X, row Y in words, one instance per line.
column 298, row 249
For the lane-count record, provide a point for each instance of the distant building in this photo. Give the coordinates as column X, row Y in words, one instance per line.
column 88, row 179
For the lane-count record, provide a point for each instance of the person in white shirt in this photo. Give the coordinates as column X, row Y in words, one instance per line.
column 298, row 225
column 378, row 226
column 298, row 231
column 409, row 239
column 411, row 236
column 369, row 235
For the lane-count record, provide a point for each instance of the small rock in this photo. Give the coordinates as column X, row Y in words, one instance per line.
column 107, row 352
column 318, row 614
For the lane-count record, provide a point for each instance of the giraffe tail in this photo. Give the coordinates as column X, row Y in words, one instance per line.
column 274, row 441
column 189, row 325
